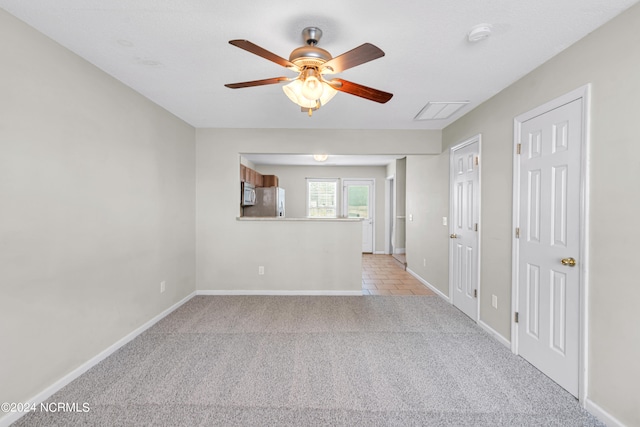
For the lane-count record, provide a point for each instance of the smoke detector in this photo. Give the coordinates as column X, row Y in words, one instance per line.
column 479, row 32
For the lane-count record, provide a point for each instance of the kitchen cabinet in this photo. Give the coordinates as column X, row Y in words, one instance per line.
column 251, row 176
column 269, row 181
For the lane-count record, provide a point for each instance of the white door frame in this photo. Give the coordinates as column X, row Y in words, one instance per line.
column 584, row 94
column 389, row 202
column 477, row 138
column 372, row 205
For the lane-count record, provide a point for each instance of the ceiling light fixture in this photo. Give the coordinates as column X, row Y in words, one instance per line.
column 320, row 157
column 309, row 90
column 299, row 89
column 479, row 32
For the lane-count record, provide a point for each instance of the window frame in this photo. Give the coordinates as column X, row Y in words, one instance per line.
column 337, row 197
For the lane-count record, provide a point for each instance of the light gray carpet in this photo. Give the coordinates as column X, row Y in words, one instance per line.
column 302, row 361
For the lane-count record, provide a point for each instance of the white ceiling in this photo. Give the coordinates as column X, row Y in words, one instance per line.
column 175, row 52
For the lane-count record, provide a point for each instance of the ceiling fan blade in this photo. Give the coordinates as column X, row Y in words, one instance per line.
column 361, row 91
column 361, row 54
column 257, row 50
column 258, row 82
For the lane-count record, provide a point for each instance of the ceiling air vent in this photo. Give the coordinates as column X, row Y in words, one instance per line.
column 439, row 110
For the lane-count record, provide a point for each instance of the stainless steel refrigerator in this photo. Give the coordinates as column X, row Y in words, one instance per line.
column 269, row 203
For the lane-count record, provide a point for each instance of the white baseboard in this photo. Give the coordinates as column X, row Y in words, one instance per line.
column 430, row 286
column 379, row 253
column 601, row 414
column 502, row 340
column 281, row 293
column 53, row 388
column 399, row 250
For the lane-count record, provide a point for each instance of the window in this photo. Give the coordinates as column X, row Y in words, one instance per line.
column 322, row 197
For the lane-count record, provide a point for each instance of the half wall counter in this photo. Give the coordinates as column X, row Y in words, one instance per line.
column 299, row 256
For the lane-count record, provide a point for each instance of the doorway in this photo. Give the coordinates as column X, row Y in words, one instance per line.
column 359, row 202
column 549, row 239
column 464, row 228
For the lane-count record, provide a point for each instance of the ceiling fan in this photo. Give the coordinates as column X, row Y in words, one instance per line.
column 310, row 89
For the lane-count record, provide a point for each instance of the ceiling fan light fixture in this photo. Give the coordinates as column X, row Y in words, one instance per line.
column 327, row 94
column 312, row 88
column 294, row 92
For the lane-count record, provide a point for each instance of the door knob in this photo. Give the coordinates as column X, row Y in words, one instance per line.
column 454, row 236
column 568, row 261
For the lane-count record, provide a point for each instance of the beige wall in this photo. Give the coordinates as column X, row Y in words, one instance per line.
column 298, row 256
column 293, row 180
column 427, row 201
column 609, row 59
column 97, row 195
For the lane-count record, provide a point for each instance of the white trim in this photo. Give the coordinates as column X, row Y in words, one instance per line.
column 336, row 181
column 429, row 285
column 601, row 414
column 388, row 213
column 502, row 340
column 515, row 221
column 278, row 293
column 399, row 251
column 585, row 185
column 56, row 386
column 584, row 93
column 474, row 139
column 380, row 253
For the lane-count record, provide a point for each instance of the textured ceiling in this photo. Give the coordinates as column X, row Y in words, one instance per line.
column 175, row 52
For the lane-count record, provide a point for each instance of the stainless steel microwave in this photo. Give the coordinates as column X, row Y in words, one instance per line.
column 248, row 194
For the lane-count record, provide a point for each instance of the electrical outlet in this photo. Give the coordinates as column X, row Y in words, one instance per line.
column 444, row 220
column 494, row 301
column 424, row 262
column 261, row 270
column 162, row 286
column 410, row 217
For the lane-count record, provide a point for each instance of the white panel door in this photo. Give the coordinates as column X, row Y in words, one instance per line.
column 358, row 203
column 548, row 281
column 464, row 228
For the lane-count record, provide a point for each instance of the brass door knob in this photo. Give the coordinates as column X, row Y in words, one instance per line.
column 568, row 261
column 453, row 236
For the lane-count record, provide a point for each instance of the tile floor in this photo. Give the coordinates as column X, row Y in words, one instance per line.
column 383, row 275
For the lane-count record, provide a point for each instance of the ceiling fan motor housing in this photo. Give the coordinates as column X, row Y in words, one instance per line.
column 310, row 55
